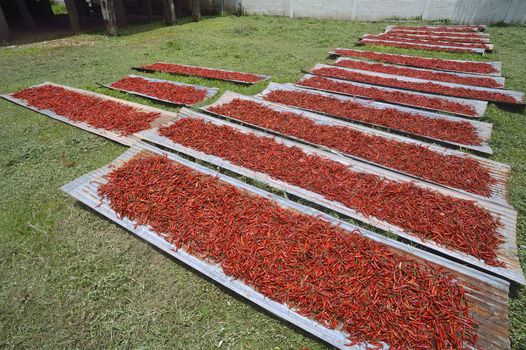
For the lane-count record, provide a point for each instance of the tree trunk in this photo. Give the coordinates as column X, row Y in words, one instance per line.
column 146, row 6
column 73, row 14
column 169, row 12
column 26, row 16
column 109, row 16
column 4, row 28
column 120, row 12
column 196, row 10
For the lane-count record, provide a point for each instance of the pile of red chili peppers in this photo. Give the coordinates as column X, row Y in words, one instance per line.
column 179, row 94
column 436, row 33
column 431, row 41
column 432, row 63
column 338, row 278
column 447, row 130
column 442, row 37
column 429, row 87
column 203, row 72
column 453, row 29
column 396, row 96
column 458, row 172
column 455, row 223
column 97, row 112
column 405, row 45
column 420, row 74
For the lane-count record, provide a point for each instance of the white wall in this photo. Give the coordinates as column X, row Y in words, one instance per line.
column 459, row 11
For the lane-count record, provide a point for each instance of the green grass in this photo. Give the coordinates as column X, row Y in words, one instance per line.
column 70, row 279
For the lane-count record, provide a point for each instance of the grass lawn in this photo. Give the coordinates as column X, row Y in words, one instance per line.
column 71, row 279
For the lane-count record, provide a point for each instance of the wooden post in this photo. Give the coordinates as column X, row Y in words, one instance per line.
column 169, row 12
column 45, row 7
column 147, row 9
column 196, row 10
column 120, row 12
column 26, row 16
column 4, row 28
column 109, row 16
column 73, row 14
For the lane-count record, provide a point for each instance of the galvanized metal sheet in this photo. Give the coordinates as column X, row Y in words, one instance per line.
column 261, row 76
column 488, row 295
column 475, row 28
column 483, row 129
column 209, row 91
column 437, row 37
column 499, row 172
column 517, row 95
column 496, row 65
column 446, row 48
column 507, row 252
column 442, row 42
column 498, row 80
column 114, row 136
column 433, row 29
column 479, row 106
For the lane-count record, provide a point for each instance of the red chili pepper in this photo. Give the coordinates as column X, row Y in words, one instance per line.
column 429, row 41
column 203, row 72
column 454, row 171
column 414, row 46
column 97, row 112
column 428, row 87
column 439, row 36
column 447, row 130
column 166, row 91
column 458, row 224
column 340, row 279
column 414, row 61
column 420, row 74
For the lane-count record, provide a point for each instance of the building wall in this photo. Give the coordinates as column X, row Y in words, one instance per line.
column 459, row 11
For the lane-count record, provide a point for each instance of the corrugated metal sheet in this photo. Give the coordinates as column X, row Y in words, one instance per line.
column 488, row 295
column 496, row 65
column 209, row 91
column 508, row 216
column 498, row 80
column 499, row 171
column 114, row 136
column 479, row 106
column 445, row 48
column 483, row 129
column 263, row 77
column 517, row 95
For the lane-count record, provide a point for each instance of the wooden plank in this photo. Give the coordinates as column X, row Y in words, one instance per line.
column 486, row 293
column 496, row 65
column 499, row 172
column 483, row 129
column 479, row 106
column 110, row 17
column 417, row 46
column 498, row 80
column 517, row 95
column 114, row 136
column 146, row 8
column 507, row 252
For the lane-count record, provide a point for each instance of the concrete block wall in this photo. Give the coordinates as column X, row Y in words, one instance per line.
column 458, row 11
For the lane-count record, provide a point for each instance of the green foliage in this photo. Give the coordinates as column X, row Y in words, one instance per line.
column 71, row 279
